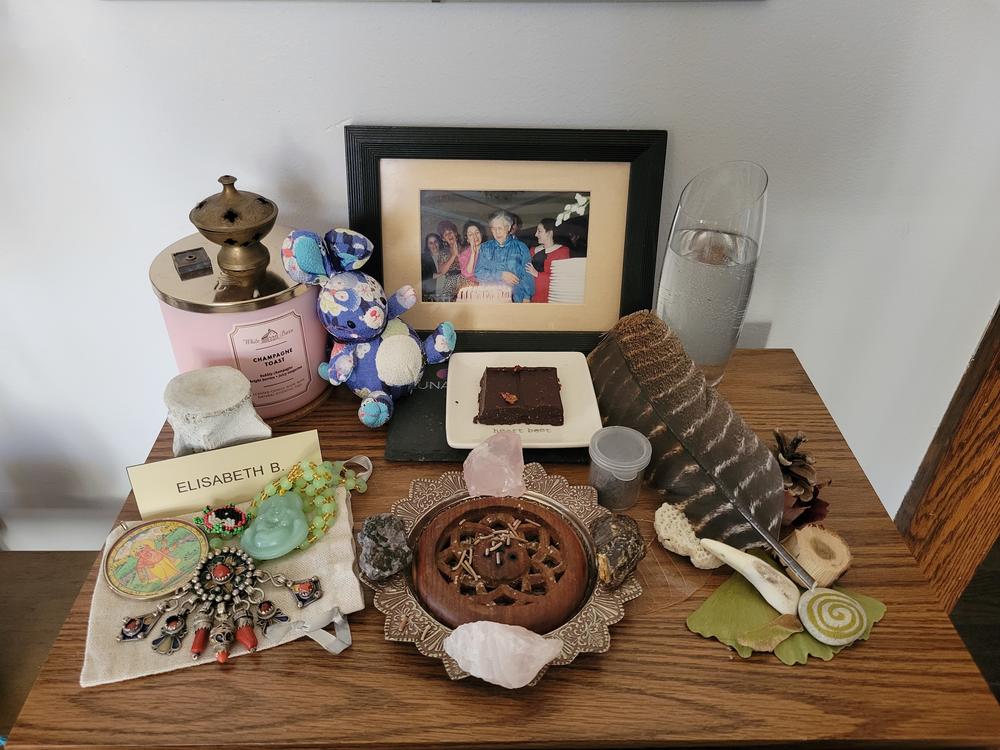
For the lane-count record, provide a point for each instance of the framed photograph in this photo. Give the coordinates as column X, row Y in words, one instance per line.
column 524, row 239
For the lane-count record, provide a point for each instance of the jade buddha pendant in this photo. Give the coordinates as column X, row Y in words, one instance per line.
column 280, row 527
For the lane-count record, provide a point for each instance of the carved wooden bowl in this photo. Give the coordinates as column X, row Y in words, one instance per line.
column 558, row 587
column 502, row 559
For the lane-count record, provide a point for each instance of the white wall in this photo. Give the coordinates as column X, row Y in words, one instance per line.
column 877, row 122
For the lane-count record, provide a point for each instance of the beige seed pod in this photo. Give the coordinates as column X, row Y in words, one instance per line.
column 823, row 553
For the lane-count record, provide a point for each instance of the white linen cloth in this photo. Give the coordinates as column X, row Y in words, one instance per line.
column 331, row 558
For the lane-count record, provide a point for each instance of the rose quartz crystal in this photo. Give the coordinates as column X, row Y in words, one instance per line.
column 506, row 655
column 496, row 467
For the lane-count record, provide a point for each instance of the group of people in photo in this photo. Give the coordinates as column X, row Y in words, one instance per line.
column 490, row 256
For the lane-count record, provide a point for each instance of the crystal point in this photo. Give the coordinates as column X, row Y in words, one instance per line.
column 495, row 467
column 506, row 655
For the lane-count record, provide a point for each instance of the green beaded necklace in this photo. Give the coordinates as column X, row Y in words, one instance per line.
column 322, row 487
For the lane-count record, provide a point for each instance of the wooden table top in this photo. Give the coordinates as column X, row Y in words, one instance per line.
column 912, row 683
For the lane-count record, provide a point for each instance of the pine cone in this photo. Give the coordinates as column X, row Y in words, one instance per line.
column 802, row 502
column 796, row 465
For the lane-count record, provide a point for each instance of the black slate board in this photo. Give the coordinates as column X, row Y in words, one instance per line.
column 416, row 431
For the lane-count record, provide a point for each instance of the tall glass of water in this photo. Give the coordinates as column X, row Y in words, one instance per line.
column 710, row 260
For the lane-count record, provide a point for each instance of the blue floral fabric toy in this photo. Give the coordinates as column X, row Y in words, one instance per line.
column 375, row 353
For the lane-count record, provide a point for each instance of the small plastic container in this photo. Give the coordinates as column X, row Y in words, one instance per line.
column 618, row 458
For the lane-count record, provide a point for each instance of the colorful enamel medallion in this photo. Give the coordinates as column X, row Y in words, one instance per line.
column 154, row 558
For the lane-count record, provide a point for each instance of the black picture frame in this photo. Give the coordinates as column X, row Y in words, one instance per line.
column 644, row 150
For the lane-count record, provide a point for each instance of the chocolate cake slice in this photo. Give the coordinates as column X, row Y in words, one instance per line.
column 520, row 395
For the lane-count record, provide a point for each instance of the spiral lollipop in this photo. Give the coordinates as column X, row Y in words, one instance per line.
column 831, row 617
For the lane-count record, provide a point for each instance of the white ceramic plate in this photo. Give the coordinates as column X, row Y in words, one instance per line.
column 581, row 419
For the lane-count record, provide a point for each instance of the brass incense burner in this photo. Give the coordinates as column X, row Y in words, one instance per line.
column 237, row 221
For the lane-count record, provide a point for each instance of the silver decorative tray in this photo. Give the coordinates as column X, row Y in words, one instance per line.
column 586, row 631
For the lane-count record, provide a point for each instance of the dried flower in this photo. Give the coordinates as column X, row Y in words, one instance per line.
column 800, row 511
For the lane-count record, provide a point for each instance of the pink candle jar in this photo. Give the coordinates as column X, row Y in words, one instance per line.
column 234, row 304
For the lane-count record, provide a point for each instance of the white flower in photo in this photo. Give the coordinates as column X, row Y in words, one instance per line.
column 366, row 291
column 374, row 317
column 579, row 208
column 362, row 350
column 441, row 343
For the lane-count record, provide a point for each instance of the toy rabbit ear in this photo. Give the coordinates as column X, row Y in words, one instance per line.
column 349, row 249
column 305, row 257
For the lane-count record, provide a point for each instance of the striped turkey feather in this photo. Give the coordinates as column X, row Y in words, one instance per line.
column 706, row 460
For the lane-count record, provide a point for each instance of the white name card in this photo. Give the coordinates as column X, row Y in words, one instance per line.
column 225, row 475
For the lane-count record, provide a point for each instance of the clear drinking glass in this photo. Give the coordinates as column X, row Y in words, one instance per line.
column 710, row 259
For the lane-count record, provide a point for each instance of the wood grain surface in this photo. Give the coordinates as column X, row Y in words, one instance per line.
column 26, row 637
column 912, row 683
column 951, row 515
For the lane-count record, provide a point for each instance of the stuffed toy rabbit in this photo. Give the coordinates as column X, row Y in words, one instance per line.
column 374, row 353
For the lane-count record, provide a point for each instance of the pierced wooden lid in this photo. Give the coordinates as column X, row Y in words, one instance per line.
column 508, row 560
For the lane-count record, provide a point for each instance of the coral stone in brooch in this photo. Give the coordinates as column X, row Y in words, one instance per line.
column 226, row 600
